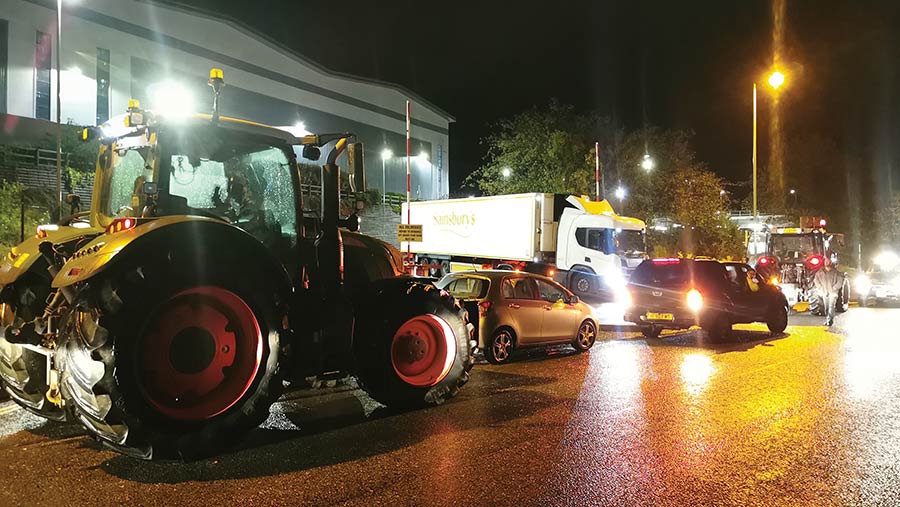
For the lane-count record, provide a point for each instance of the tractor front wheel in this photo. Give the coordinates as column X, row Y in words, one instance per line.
column 412, row 344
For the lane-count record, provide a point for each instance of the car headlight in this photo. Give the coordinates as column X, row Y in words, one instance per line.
column 694, row 300
column 863, row 284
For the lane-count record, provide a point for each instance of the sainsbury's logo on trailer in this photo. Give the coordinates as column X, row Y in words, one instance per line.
column 461, row 225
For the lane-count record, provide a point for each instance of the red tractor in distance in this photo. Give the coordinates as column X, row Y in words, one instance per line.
column 794, row 255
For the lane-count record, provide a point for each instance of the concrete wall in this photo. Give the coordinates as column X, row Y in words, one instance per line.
column 153, row 42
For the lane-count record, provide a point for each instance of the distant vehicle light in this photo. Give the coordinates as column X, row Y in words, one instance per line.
column 774, row 280
column 694, row 300
column 887, row 260
column 823, row 222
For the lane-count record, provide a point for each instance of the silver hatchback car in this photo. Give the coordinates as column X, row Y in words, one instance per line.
column 521, row 310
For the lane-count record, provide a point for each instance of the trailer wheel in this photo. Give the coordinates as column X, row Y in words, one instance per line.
column 162, row 362
column 23, row 370
column 412, row 344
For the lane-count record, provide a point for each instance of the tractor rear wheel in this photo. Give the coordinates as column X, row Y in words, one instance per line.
column 24, row 370
column 412, row 344
column 163, row 362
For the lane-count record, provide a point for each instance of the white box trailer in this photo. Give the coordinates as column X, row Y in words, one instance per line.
column 581, row 243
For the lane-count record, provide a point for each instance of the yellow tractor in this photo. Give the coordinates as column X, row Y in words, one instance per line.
column 169, row 318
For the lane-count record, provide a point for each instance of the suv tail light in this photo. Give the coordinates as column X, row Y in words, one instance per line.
column 666, row 261
column 483, row 308
column 694, row 300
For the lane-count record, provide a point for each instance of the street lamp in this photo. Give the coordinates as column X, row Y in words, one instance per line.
column 621, row 193
column 794, row 193
column 776, row 79
column 506, row 172
column 647, row 163
column 385, row 155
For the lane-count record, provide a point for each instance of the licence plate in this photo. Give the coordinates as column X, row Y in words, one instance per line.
column 660, row 316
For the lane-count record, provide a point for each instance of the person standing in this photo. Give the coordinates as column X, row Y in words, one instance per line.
column 828, row 283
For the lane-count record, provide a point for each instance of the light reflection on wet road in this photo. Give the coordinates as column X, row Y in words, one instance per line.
column 808, row 418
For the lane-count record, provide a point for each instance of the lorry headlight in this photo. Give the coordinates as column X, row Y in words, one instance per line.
column 694, row 300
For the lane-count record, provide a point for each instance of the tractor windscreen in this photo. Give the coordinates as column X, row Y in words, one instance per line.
column 241, row 178
column 792, row 247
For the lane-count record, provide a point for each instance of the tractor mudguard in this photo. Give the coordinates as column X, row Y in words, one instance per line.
column 165, row 236
column 23, row 256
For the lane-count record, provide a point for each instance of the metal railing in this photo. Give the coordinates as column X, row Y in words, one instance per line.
column 40, row 158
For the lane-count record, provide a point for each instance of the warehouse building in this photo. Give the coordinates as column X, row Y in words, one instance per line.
column 160, row 53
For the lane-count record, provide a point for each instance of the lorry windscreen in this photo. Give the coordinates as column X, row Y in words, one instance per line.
column 630, row 242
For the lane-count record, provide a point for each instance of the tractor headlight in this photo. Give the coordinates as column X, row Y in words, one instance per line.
column 862, row 283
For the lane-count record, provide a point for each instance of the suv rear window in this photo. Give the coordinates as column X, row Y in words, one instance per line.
column 468, row 288
column 673, row 274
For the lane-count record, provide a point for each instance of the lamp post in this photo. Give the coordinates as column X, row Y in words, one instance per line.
column 59, row 198
column 793, row 193
column 776, row 79
column 647, row 163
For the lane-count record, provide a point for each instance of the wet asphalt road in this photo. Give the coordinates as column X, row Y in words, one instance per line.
column 808, row 418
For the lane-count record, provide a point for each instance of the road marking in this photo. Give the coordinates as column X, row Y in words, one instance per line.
column 8, row 410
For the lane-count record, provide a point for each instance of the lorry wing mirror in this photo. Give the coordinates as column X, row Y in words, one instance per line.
column 356, row 166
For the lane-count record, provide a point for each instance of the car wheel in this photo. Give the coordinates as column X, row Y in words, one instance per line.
column 718, row 328
column 651, row 331
column 587, row 335
column 500, row 347
column 778, row 320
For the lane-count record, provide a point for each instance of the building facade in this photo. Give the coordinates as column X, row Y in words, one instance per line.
column 160, row 53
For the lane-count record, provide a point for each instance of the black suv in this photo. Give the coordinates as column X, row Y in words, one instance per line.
column 680, row 293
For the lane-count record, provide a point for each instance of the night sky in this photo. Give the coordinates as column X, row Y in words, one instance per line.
column 687, row 65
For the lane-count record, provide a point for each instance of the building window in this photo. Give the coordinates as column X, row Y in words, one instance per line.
column 4, row 61
column 42, row 77
column 102, row 85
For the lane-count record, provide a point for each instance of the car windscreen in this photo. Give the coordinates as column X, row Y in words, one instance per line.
column 468, row 287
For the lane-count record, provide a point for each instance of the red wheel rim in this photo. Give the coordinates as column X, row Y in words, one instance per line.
column 423, row 350
column 200, row 354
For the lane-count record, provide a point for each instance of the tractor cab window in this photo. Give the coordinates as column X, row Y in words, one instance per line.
column 793, row 246
column 129, row 168
column 237, row 177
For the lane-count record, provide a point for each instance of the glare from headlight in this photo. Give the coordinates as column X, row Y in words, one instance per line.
column 863, row 284
column 694, row 300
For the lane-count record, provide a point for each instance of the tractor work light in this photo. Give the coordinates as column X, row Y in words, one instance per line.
column 694, row 300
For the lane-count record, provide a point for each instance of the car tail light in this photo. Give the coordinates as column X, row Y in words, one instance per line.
column 121, row 224
column 814, row 261
column 666, row 261
column 483, row 308
column 694, row 300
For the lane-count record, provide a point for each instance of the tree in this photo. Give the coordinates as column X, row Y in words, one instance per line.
column 542, row 150
column 37, row 205
column 649, row 194
column 888, row 220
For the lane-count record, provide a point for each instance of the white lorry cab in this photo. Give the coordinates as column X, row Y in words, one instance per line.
column 582, row 244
